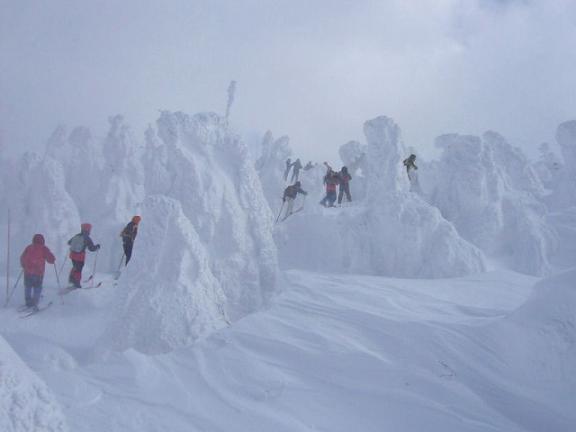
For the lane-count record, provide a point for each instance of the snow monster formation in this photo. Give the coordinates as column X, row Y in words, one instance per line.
column 211, row 219
column 399, row 234
column 489, row 191
column 392, row 232
column 26, row 404
column 271, row 166
column 565, row 188
column 39, row 203
column 177, row 298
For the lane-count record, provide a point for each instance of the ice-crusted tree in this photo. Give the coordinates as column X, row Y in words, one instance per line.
column 424, row 243
column 548, row 166
column 489, row 191
column 83, row 169
column 565, row 193
column 121, row 189
column 26, row 404
column 271, row 165
column 214, row 178
column 178, row 298
column 157, row 179
column 39, row 203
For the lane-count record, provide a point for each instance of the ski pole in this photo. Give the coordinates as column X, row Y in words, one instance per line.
column 94, row 269
column 63, row 262
column 58, row 282
column 8, row 258
column 14, row 288
column 119, row 271
column 280, row 212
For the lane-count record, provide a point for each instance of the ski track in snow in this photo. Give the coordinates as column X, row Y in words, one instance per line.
column 332, row 353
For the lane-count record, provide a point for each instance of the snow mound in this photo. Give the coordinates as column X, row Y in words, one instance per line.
column 177, row 298
column 489, row 191
column 394, row 232
column 213, row 177
column 26, row 404
column 539, row 338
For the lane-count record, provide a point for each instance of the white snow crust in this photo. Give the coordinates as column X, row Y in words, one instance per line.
column 26, row 404
column 490, row 192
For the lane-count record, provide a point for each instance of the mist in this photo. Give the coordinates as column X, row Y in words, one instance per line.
column 312, row 70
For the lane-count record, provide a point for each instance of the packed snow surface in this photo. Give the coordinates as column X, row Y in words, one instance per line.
column 332, row 353
column 26, row 403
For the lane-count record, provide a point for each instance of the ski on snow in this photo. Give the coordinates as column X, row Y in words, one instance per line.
column 290, row 214
column 34, row 312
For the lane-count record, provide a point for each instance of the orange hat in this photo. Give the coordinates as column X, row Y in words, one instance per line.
column 136, row 219
column 86, row 227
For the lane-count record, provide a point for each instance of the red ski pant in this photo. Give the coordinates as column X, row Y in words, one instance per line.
column 76, row 273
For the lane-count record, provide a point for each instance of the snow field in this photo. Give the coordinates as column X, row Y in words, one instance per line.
column 334, row 352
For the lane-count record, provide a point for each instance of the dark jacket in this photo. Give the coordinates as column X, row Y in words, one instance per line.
column 292, row 191
column 129, row 232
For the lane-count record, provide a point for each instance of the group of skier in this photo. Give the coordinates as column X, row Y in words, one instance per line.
column 332, row 181
column 35, row 256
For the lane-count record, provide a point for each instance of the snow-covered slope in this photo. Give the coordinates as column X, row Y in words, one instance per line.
column 26, row 404
column 338, row 353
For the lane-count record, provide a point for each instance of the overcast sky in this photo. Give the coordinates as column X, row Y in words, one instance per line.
column 313, row 70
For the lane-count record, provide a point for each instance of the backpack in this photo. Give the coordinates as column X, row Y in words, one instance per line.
column 77, row 243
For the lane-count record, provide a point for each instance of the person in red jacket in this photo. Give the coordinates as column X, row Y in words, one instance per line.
column 78, row 245
column 33, row 261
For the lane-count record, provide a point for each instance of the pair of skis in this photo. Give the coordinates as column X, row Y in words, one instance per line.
column 291, row 213
column 27, row 312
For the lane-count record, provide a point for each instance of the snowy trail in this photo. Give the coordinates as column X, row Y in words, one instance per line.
column 333, row 353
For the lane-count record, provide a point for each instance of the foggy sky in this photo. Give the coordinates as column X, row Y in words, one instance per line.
column 313, row 70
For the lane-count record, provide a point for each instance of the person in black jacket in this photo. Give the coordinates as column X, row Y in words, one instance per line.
column 289, row 197
column 128, row 235
column 344, row 178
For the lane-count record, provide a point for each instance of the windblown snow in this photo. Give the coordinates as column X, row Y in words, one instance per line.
column 26, row 403
column 419, row 305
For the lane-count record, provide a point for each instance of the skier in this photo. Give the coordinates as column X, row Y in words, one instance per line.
column 409, row 164
column 309, row 166
column 296, row 167
column 287, row 170
column 411, row 168
column 289, row 197
column 344, row 177
column 78, row 245
column 128, row 235
column 33, row 261
column 331, row 181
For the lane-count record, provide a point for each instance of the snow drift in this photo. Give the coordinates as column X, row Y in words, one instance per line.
column 26, row 404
